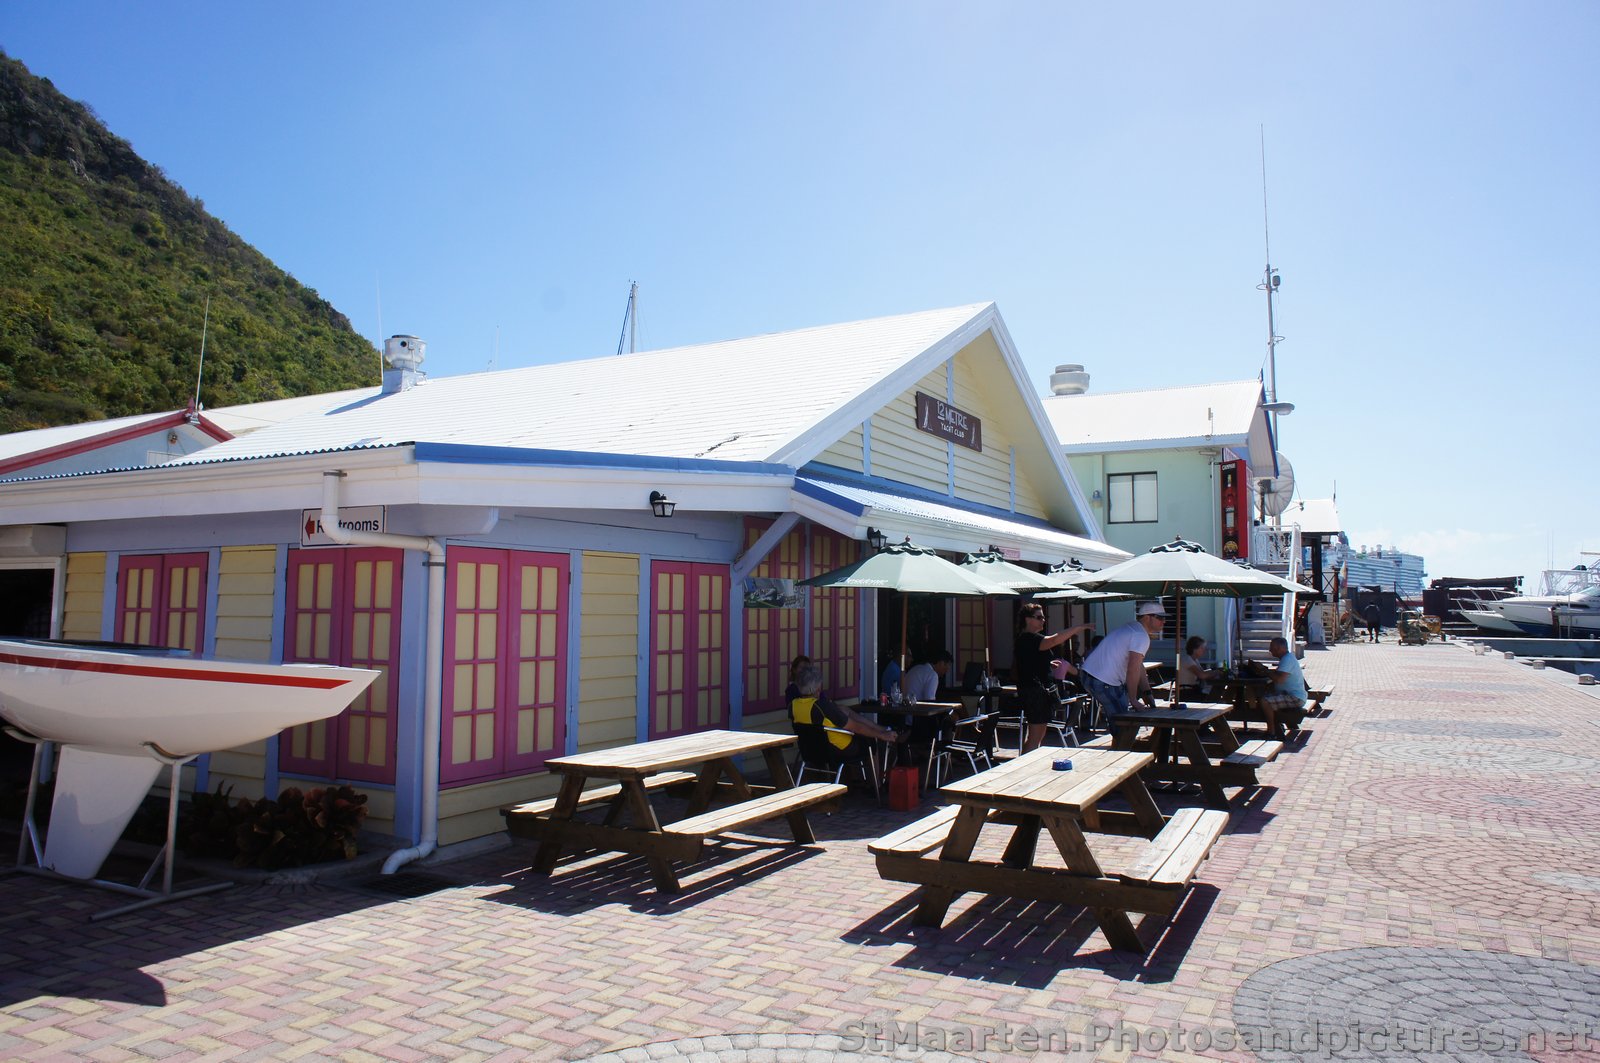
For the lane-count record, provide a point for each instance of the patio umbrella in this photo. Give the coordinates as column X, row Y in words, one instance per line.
column 1017, row 580
column 1182, row 569
column 908, row 569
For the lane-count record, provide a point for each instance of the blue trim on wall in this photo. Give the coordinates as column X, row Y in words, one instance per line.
column 574, row 648
column 271, row 782
column 412, row 682
column 108, row 597
column 822, row 494
column 641, row 722
column 466, row 454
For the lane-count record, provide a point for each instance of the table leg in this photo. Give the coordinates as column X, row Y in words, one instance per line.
column 1196, row 752
column 1123, row 734
column 1114, row 922
column 1024, row 842
column 544, row 861
column 1226, row 739
column 644, row 818
column 1143, row 805
column 705, row 786
column 778, row 768
column 958, row 846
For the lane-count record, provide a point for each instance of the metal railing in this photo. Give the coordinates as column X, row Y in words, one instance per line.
column 1280, row 549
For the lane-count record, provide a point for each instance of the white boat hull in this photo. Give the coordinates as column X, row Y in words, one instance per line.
column 119, row 701
column 113, row 710
column 1490, row 621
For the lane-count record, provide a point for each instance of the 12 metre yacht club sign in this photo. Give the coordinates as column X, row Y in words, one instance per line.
column 351, row 518
column 942, row 419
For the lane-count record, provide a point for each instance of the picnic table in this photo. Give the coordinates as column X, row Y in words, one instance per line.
column 1028, row 793
column 641, row 769
column 1183, row 731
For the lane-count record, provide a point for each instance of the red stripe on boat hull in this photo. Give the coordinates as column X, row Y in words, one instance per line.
column 155, row 672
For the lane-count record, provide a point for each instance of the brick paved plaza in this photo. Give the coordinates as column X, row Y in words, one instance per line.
column 1419, row 873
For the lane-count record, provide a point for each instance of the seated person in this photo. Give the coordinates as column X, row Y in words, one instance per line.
column 922, row 681
column 1285, row 707
column 792, row 691
column 889, row 680
column 814, row 707
column 1193, row 680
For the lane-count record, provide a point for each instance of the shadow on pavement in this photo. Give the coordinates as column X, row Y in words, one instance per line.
column 1010, row 941
column 589, row 880
column 52, row 949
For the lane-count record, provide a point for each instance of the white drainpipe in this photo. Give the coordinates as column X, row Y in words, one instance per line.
column 433, row 672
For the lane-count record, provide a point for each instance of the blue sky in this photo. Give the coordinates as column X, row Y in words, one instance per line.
column 506, row 169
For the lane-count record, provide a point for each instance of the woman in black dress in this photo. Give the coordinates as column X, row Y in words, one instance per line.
column 1036, row 689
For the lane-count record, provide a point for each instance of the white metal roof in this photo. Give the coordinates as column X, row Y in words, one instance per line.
column 1160, row 418
column 765, row 398
column 1316, row 516
column 16, row 444
column 253, row 416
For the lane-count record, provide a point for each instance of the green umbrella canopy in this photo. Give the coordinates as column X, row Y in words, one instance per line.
column 908, row 569
column 1183, row 568
column 1016, row 579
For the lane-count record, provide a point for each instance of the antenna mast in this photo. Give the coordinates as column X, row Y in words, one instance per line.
column 205, row 323
column 1269, row 284
column 630, row 320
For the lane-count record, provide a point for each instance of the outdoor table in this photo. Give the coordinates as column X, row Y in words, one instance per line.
column 1027, row 792
column 639, row 769
column 1178, row 731
column 1245, row 692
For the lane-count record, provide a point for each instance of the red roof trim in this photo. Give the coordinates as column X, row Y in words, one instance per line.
column 106, row 439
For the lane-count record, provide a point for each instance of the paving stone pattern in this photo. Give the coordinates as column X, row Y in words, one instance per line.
column 1416, row 1004
column 1458, row 728
column 776, row 953
column 1507, row 803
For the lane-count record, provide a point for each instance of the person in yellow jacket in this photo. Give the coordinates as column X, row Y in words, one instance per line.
column 811, row 706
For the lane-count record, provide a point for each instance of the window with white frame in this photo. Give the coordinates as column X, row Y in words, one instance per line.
column 1131, row 498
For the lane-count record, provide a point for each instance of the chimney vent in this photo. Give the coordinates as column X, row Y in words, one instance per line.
column 1069, row 380
column 402, row 359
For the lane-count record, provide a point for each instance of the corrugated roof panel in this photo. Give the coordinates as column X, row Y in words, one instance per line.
column 1222, row 412
column 983, row 526
column 738, row 400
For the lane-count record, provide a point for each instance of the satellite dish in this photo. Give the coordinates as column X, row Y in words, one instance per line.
column 1277, row 491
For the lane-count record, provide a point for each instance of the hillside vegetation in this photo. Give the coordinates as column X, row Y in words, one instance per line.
column 105, row 267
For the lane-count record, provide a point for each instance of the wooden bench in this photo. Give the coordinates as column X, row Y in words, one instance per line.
column 545, row 806
column 1173, row 856
column 918, row 838
column 791, row 802
column 1254, row 753
column 1315, row 699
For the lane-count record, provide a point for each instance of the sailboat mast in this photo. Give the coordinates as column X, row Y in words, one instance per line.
column 630, row 321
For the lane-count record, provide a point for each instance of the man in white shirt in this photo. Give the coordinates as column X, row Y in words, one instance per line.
column 921, row 681
column 1114, row 672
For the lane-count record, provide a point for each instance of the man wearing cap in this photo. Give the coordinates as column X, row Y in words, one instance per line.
column 1114, row 672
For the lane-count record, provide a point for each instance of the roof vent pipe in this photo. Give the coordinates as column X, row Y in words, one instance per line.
column 1069, row 380
column 402, row 360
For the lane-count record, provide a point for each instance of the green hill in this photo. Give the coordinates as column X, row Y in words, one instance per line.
column 105, row 267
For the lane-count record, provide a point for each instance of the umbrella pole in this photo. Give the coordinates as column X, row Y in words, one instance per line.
column 905, row 604
column 1177, row 655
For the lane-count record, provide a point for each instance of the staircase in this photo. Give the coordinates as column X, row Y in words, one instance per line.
column 1275, row 550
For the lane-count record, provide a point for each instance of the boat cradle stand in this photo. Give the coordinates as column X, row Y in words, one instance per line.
column 29, row 846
